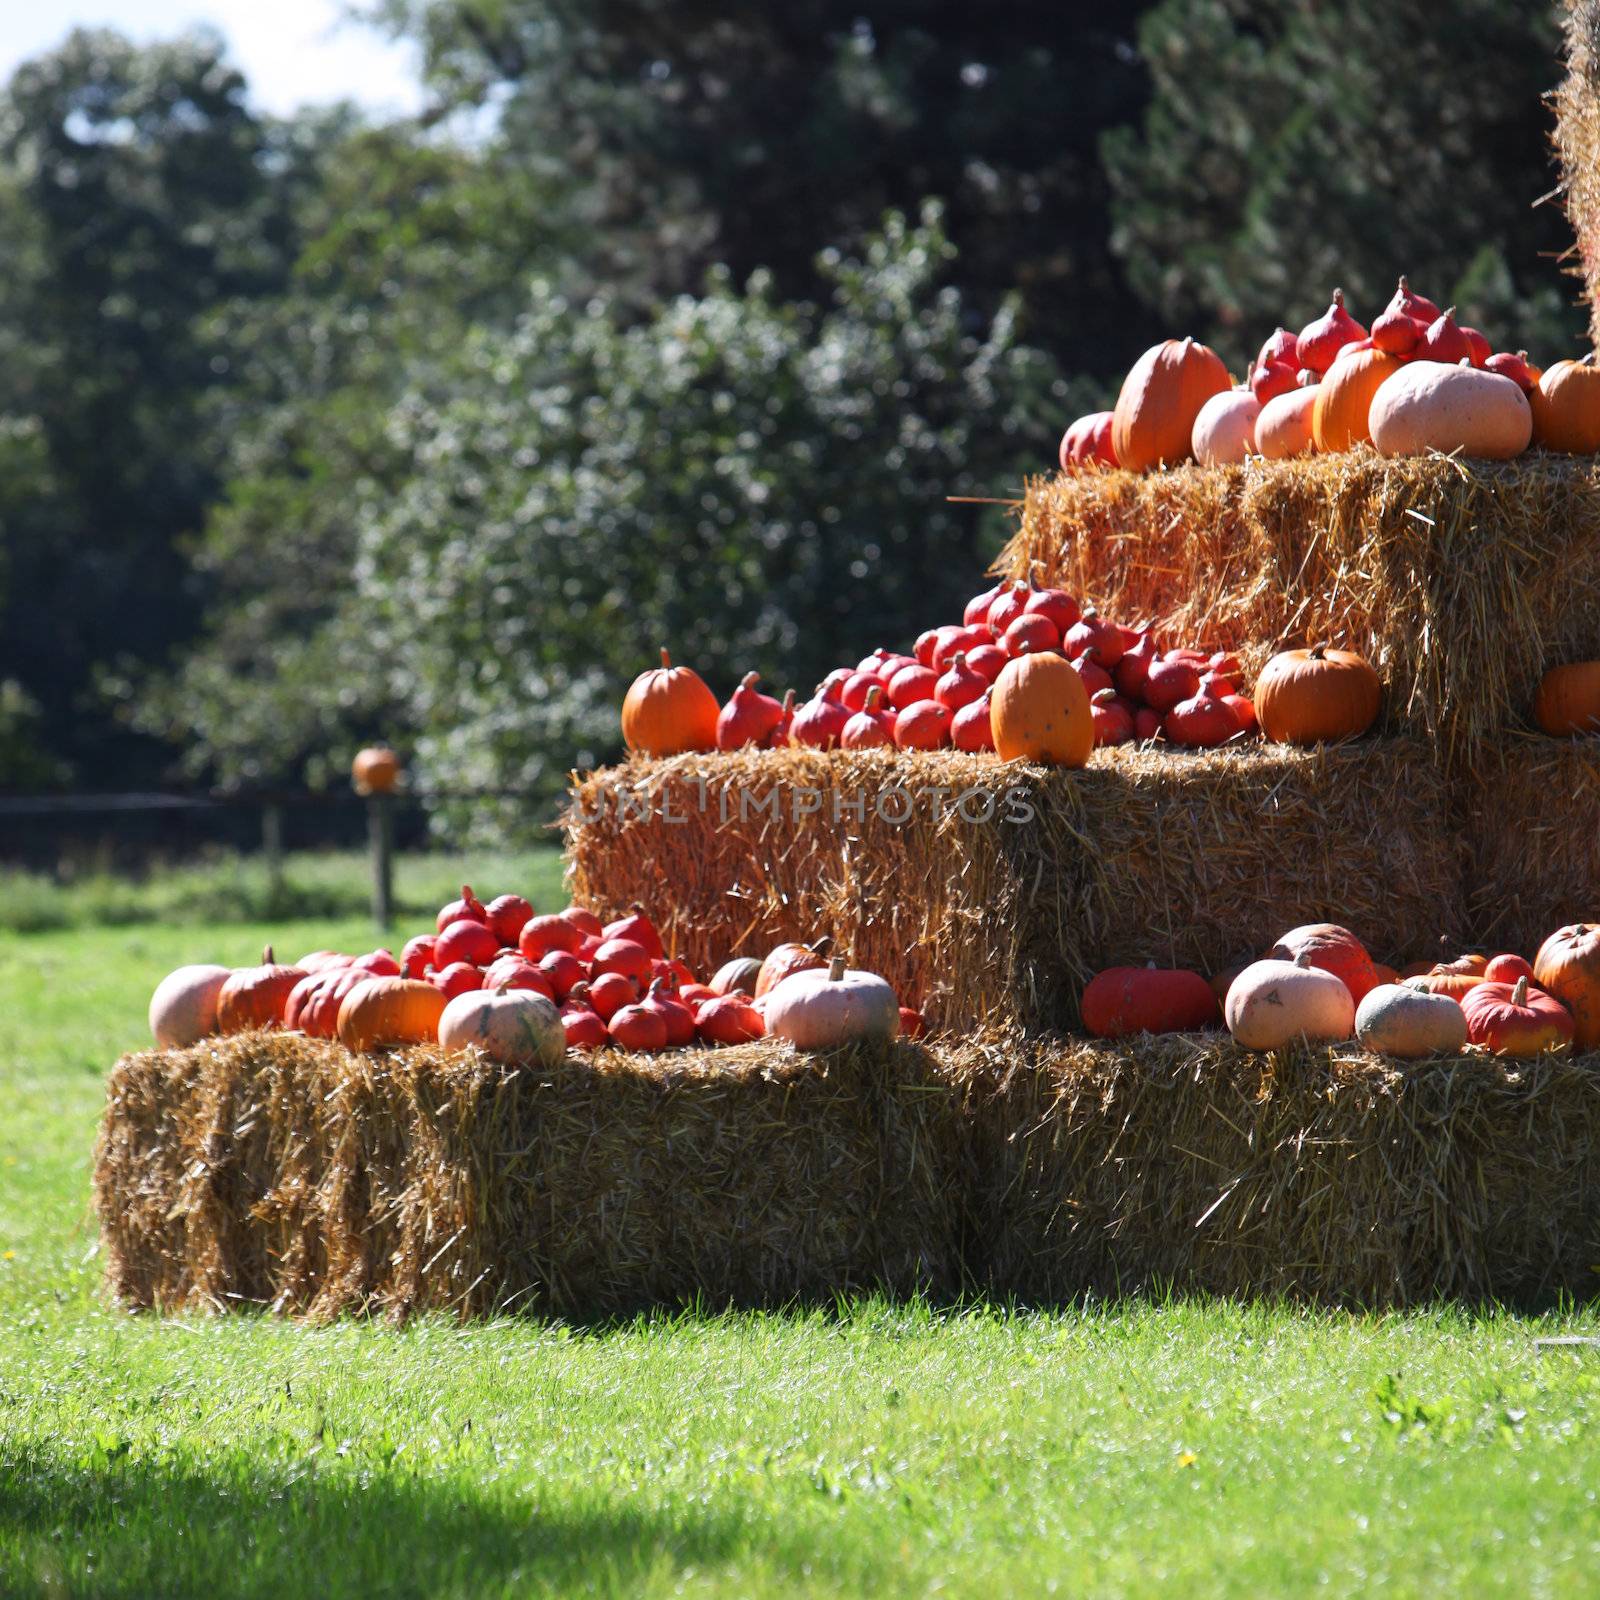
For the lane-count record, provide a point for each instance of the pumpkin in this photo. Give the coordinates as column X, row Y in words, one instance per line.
column 1427, row 406
column 1124, row 1000
column 1566, row 407
column 1517, row 1019
column 1039, row 711
column 783, row 962
column 512, row 971
column 183, row 1009
column 375, row 770
column 1454, row 986
column 1225, row 428
column 563, row 970
column 515, row 1026
column 679, row 1019
column 749, row 716
column 1273, row 1003
column 736, row 976
column 1332, row 949
column 391, row 1011
column 1471, row 965
column 1568, row 967
column 469, row 908
column 467, row 941
column 323, row 960
column 1153, row 422
column 636, row 1027
column 1395, row 1021
column 669, row 710
column 313, row 1004
column 1320, row 342
column 729, row 1019
column 254, row 997
column 457, row 978
column 1308, row 696
column 584, row 1029
column 638, row 927
column 1568, row 701
column 818, row 1010
column 1222, row 981
column 1508, row 968
column 1339, row 416
column 1284, row 427
column 541, row 935
column 626, row 956
column 507, row 915
column 1088, row 440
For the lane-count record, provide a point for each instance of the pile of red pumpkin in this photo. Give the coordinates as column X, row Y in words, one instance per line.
column 1417, row 381
column 1318, row 983
column 524, row 988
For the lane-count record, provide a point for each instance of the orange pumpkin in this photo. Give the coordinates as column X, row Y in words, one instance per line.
column 1153, row 423
column 1454, row 985
column 1516, row 1019
column 1039, row 711
column 1566, row 407
column 668, row 711
column 1568, row 967
column 1125, row 1000
column 1333, row 949
column 390, row 1011
column 1307, row 696
column 1470, row 966
column 1344, row 397
column 375, row 770
column 784, row 962
column 1568, row 701
column 255, row 997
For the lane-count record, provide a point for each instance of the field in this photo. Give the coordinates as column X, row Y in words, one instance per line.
column 863, row 1447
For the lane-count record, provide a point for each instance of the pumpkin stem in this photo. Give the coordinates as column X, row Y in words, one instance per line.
column 503, row 988
column 1318, row 652
column 666, row 660
column 959, row 659
column 1519, row 995
column 266, row 956
column 1303, row 959
column 750, row 680
column 1338, row 297
column 874, row 695
column 788, row 700
column 836, row 970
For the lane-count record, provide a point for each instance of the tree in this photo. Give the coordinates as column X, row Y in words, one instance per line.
column 1290, row 146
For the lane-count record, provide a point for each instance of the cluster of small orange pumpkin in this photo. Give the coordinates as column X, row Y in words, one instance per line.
column 1319, row 984
column 1417, row 382
column 524, row 988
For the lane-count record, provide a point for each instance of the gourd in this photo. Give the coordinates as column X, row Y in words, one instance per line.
column 1426, row 406
column 391, row 1011
column 516, row 1026
column 1396, row 1021
column 626, row 956
column 818, row 1010
column 1568, row 967
column 1088, row 440
column 1332, row 949
column 1225, row 428
column 1153, row 422
column 739, row 975
column 1320, row 342
column 1284, row 427
column 313, row 1004
column 1566, row 407
column 784, row 962
column 1274, row 1003
column 467, row 941
column 668, row 711
column 375, row 770
column 1568, row 701
column 1308, row 696
column 255, row 997
column 1124, row 1000
column 638, row 927
column 1039, row 711
column 729, row 1019
column 749, row 716
column 183, row 1009
column 1516, row 1019
column 1455, row 986
column 1340, row 415
column 637, row 1027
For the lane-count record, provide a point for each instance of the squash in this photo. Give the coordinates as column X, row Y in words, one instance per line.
column 391, row 1011
column 1566, row 407
column 1284, row 428
column 313, row 1004
column 183, row 1009
column 784, row 962
column 669, row 710
column 1153, row 423
column 1225, row 429
column 1427, row 406
column 1124, row 1000
column 1039, row 711
column 738, row 976
column 1088, row 440
column 255, row 997
column 516, row 1026
column 1333, row 949
column 1339, row 417
column 1516, row 1019
column 1395, row 1021
column 729, row 1019
column 1507, row 968
column 1568, row 967
column 1308, row 696
column 1568, row 702
column 1448, row 985
column 818, row 1010
column 375, row 770
column 1275, row 1003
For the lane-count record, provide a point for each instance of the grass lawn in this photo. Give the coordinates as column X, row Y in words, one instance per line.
column 1197, row 1447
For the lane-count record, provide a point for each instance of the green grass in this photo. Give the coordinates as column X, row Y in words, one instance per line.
column 1189, row 1447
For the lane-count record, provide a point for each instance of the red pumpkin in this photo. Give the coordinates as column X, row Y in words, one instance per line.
column 1056, row 604
column 584, row 920
column 636, row 1027
column 971, row 729
column 912, row 1023
column 468, row 908
column 638, row 927
column 749, row 716
column 255, row 997
column 417, row 956
column 541, row 935
column 313, row 1004
column 1093, row 632
column 871, row 728
column 988, row 661
column 1125, row 1000
column 1333, row 949
column 1507, row 969
column 924, row 725
column 1202, row 722
column 959, row 685
column 467, row 941
column 609, row 992
column 584, row 1027
column 512, row 971
column 626, row 956
column 819, row 722
column 1028, row 635
column 507, row 915
column 729, row 1019
column 1113, row 722
column 1168, row 683
column 677, row 1017
column 1088, row 440
column 1516, row 1019
column 563, row 971
column 460, row 977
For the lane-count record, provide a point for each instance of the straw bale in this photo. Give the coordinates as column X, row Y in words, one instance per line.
column 1461, row 580
column 1323, row 1174
column 274, row 1170
column 1577, row 137
column 1188, row 859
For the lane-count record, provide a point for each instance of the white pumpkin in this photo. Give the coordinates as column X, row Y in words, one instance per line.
column 183, row 1010
column 1274, row 1003
column 1283, row 428
column 519, row 1027
column 1225, row 429
column 1429, row 406
column 1393, row 1020
column 820, row 1009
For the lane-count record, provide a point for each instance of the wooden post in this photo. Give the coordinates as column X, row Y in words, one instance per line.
column 272, row 848
column 380, row 835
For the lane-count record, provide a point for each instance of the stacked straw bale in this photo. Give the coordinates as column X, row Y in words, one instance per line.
column 1577, row 104
column 269, row 1170
column 274, row 1170
column 1196, row 860
column 1461, row 580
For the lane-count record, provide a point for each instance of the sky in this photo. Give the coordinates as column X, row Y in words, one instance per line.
column 294, row 52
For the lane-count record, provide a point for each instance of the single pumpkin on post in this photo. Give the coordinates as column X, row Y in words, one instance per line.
column 668, row 711
column 1316, row 695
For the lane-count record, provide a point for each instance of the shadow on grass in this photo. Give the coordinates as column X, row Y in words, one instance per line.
column 128, row 1528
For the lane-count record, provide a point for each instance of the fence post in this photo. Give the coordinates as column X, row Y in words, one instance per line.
column 380, row 835
column 272, row 849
